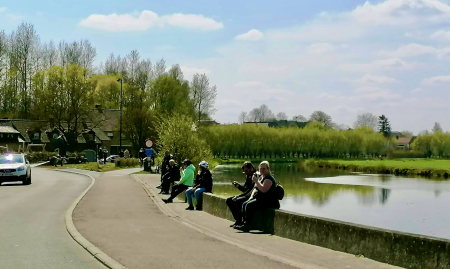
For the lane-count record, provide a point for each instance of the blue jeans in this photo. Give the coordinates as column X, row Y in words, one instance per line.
column 197, row 196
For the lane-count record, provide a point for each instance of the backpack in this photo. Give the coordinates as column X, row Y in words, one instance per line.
column 280, row 191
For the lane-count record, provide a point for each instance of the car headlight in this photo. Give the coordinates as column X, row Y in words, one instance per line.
column 21, row 168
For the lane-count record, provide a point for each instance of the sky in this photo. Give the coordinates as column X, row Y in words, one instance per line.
column 344, row 57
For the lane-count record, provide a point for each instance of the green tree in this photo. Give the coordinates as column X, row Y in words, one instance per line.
column 179, row 136
column 384, row 126
column 322, row 117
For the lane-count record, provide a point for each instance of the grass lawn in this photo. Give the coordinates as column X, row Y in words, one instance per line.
column 398, row 163
column 92, row 166
column 256, row 161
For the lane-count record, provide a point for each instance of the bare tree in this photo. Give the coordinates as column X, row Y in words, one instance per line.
column 368, row 120
column 242, row 117
column 299, row 118
column 266, row 114
column 322, row 117
column 254, row 115
column 203, row 95
column 437, row 128
column 407, row 133
column 281, row 116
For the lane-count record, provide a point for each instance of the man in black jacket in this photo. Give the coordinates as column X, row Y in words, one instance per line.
column 172, row 175
column 235, row 202
column 165, row 166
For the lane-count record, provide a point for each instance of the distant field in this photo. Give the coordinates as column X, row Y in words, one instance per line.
column 398, row 163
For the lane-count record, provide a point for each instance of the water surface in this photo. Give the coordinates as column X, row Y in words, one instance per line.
column 414, row 205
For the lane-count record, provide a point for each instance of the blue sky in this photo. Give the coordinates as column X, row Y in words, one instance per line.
column 343, row 57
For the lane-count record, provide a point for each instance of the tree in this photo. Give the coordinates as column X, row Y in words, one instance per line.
column 65, row 98
column 322, row 117
column 368, row 120
column 299, row 118
column 407, row 133
column 437, row 128
column 203, row 95
column 266, row 114
column 281, row 116
column 178, row 136
column 384, row 126
column 242, row 117
column 169, row 96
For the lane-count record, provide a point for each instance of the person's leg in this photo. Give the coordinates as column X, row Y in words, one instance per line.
column 236, row 208
column 165, row 184
column 189, row 193
column 199, row 198
column 180, row 188
column 249, row 209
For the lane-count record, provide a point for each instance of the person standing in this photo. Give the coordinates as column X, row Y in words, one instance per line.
column 105, row 154
column 235, row 202
column 187, row 179
column 203, row 183
column 126, row 154
column 263, row 196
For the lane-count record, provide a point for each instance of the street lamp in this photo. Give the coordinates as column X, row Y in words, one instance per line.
column 120, row 134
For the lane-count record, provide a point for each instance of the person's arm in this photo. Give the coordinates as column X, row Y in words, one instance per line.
column 186, row 175
column 265, row 186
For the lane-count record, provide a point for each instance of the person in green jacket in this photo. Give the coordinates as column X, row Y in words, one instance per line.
column 187, row 180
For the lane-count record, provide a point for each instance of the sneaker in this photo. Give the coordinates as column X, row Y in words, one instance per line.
column 243, row 228
column 199, row 208
column 235, row 224
column 167, row 201
column 190, row 208
column 159, row 187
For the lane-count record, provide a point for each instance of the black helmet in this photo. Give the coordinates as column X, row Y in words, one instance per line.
column 187, row 162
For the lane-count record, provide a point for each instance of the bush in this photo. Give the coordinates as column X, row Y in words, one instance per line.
column 129, row 162
column 40, row 156
column 406, row 154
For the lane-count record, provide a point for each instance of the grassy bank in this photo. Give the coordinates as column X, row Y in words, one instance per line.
column 92, row 166
column 256, row 161
column 420, row 167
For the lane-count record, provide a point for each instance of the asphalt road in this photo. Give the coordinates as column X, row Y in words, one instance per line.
column 32, row 229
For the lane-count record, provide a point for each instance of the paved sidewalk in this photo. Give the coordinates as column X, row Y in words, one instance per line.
column 293, row 252
column 118, row 216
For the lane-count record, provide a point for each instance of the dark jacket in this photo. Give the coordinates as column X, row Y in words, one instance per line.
column 204, row 180
column 173, row 172
column 248, row 186
column 142, row 155
column 269, row 198
column 165, row 164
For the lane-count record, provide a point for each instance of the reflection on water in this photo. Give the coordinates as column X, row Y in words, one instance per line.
column 411, row 205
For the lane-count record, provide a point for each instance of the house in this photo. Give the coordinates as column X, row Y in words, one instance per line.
column 10, row 138
column 404, row 142
column 395, row 134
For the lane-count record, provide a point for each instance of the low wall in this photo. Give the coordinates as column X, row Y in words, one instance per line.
column 392, row 247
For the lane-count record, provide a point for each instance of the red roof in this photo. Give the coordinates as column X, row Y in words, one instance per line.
column 404, row 140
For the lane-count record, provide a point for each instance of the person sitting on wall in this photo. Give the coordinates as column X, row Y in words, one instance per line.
column 187, row 179
column 164, row 166
column 235, row 202
column 172, row 175
column 202, row 183
column 263, row 196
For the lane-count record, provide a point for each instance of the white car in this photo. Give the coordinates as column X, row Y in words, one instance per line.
column 15, row 167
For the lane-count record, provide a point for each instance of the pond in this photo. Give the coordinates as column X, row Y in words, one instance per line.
column 413, row 205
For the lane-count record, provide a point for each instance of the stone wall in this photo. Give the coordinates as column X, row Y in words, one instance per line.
column 401, row 249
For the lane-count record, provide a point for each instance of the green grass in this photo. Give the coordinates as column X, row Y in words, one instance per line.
column 421, row 167
column 92, row 166
column 398, row 163
column 256, row 161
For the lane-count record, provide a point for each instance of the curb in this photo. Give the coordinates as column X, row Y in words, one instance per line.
column 221, row 237
column 70, row 226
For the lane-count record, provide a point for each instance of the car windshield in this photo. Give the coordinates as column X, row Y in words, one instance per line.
column 11, row 158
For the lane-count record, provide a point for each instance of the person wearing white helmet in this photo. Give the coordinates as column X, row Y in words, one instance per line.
column 203, row 183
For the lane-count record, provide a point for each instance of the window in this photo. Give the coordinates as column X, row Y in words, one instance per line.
column 110, row 134
column 36, row 136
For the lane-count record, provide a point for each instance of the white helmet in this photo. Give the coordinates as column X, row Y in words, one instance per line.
column 203, row 164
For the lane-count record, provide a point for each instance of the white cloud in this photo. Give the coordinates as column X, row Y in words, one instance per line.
column 412, row 50
column 148, row 19
column 436, row 80
column 441, row 35
column 252, row 35
column 3, row 9
column 245, row 84
column 374, row 79
column 375, row 93
column 391, row 63
column 189, row 72
column 320, row 48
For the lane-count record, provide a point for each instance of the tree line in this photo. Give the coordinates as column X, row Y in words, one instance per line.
column 59, row 83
